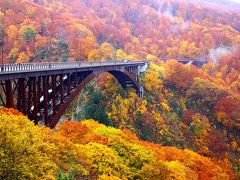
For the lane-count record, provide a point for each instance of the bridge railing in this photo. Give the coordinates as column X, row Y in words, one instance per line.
column 183, row 59
column 22, row 67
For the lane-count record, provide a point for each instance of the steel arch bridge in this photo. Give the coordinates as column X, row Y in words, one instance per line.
column 44, row 91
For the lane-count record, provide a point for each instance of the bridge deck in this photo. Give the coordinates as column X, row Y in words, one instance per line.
column 11, row 71
column 183, row 59
column 32, row 67
column 8, row 71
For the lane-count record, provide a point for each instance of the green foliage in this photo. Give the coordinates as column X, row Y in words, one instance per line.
column 13, row 55
column 205, row 93
column 94, row 108
column 65, row 176
column 28, row 33
column 57, row 49
column 64, row 50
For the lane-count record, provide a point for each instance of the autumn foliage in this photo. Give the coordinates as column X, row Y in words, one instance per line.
column 193, row 114
column 39, row 153
column 38, row 31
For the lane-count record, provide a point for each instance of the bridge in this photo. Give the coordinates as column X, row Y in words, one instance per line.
column 44, row 91
column 195, row 61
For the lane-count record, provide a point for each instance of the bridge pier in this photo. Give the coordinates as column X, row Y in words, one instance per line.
column 9, row 94
column 35, row 101
column 45, row 99
column 141, row 92
column 54, row 94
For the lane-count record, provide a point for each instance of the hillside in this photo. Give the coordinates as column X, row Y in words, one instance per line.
column 187, row 124
column 183, row 107
column 89, row 30
column 89, row 149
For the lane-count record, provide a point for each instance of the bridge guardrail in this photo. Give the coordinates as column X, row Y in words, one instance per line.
column 23, row 67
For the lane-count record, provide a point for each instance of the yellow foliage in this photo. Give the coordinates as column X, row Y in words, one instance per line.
column 121, row 156
column 151, row 58
column 107, row 51
column 124, row 111
column 152, row 81
column 142, row 107
column 23, row 150
column 121, row 55
column 157, row 116
column 23, row 58
column 165, row 106
column 160, row 69
column 105, row 160
column 94, row 55
column 177, row 171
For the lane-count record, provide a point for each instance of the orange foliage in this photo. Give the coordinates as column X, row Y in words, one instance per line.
column 9, row 111
column 74, row 131
column 111, row 30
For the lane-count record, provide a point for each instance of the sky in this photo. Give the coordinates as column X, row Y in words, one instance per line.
column 238, row 1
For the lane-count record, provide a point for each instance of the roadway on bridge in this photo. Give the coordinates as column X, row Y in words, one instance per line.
column 32, row 67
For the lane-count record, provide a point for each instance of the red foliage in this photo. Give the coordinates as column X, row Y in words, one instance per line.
column 233, row 61
column 217, row 144
column 187, row 116
column 230, row 106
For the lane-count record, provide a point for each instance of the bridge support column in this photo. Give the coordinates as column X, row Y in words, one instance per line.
column 45, row 101
column 68, row 84
column 35, row 101
column 54, row 94
column 9, row 94
column 61, row 89
column 21, row 101
column 39, row 84
column 29, row 105
column 75, row 80
column 141, row 92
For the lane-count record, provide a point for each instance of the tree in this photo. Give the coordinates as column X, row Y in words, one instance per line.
column 121, row 55
column 152, row 81
column 179, row 75
column 106, row 161
column 13, row 56
column 205, row 93
column 94, row 108
column 227, row 111
column 28, row 33
column 2, row 34
column 217, row 144
column 23, row 150
column 23, row 58
column 107, row 51
column 31, row 152
column 94, row 55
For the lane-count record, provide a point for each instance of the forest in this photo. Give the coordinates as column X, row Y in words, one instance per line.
column 186, row 126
